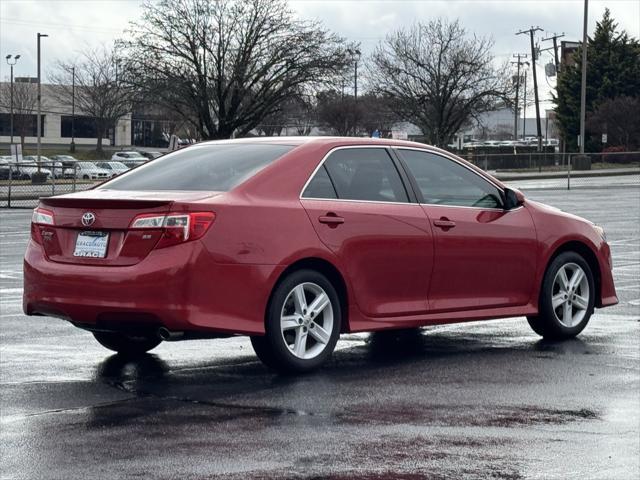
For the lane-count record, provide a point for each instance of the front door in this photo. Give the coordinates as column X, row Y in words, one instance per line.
column 485, row 256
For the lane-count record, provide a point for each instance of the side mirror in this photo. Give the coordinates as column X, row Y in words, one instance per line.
column 512, row 198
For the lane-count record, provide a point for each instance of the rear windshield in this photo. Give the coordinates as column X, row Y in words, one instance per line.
column 206, row 167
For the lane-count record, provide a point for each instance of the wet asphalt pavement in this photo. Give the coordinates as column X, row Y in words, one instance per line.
column 480, row 400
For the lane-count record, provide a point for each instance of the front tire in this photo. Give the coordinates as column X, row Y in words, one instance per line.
column 126, row 344
column 302, row 325
column 567, row 298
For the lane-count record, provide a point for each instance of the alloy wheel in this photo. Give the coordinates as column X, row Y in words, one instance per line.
column 306, row 320
column 570, row 295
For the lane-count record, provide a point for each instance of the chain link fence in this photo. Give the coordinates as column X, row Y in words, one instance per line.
column 549, row 170
column 23, row 183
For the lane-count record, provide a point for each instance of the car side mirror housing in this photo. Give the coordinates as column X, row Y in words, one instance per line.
column 512, row 198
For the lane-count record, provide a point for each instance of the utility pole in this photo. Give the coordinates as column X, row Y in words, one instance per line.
column 12, row 63
column 518, row 63
column 583, row 89
column 531, row 33
column 73, row 109
column 39, row 126
column 555, row 38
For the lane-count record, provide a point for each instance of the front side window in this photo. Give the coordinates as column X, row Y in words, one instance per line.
column 216, row 168
column 445, row 182
column 362, row 174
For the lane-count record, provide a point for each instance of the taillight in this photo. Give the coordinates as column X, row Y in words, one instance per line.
column 177, row 227
column 42, row 216
column 39, row 220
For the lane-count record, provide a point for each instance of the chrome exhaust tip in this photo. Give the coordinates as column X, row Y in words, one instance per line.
column 167, row 335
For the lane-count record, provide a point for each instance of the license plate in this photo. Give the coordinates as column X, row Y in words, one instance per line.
column 91, row 244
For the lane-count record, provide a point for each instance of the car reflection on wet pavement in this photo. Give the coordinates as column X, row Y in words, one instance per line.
column 477, row 400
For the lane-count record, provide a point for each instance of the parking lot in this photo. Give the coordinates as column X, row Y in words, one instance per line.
column 480, row 400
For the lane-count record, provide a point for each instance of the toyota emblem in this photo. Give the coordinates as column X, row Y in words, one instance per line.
column 88, row 218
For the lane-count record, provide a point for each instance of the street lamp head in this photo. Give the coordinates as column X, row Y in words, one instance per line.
column 17, row 57
column 8, row 57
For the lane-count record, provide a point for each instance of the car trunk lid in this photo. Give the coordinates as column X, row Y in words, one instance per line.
column 97, row 222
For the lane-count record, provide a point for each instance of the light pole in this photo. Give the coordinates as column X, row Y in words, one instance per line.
column 583, row 87
column 39, row 126
column 73, row 109
column 11, row 64
column 355, row 55
column 524, row 107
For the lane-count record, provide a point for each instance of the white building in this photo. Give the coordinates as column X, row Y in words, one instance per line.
column 56, row 119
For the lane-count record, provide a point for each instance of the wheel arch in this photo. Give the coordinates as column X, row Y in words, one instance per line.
column 328, row 270
column 589, row 256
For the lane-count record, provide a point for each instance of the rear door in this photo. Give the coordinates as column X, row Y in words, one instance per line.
column 485, row 256
column 362, row 211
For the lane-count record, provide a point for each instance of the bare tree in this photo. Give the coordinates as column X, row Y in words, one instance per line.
column 376, row 112
column 226, row 65
column 337, row 112
column 100, row 92
column 296, row 112
column 25, row 98
column 438, row 76
column 302, row 114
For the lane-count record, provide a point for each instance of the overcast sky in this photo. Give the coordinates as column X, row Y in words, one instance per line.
column 73, row 25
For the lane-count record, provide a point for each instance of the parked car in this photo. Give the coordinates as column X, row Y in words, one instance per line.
column 68, row 162
column 21, row 170
column 8, row 169
column 89, row 171
column 114, row 168
column 151, row 155
column 130, row 159
column 294, row 240
column 56, row 168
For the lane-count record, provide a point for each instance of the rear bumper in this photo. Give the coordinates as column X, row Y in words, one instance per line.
column 178, row 287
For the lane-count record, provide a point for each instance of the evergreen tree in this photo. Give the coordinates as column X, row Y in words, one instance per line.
column 613, row 70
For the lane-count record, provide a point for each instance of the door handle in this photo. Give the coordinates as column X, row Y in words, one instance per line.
column 444, row 223
column 331, row 219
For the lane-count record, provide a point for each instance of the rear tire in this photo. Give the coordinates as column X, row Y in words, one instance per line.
column 302, row 325
column 567, row 298
column 126, row 344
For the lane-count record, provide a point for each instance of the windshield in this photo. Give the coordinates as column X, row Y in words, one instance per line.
column 218, row 167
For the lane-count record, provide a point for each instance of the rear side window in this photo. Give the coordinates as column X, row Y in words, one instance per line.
column 320, row 186
column 362, row 174
column 206, row 167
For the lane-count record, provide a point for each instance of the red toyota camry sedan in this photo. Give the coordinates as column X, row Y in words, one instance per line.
column 292, row 241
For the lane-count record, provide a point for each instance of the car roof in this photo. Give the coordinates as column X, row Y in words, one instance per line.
column 323, row 140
